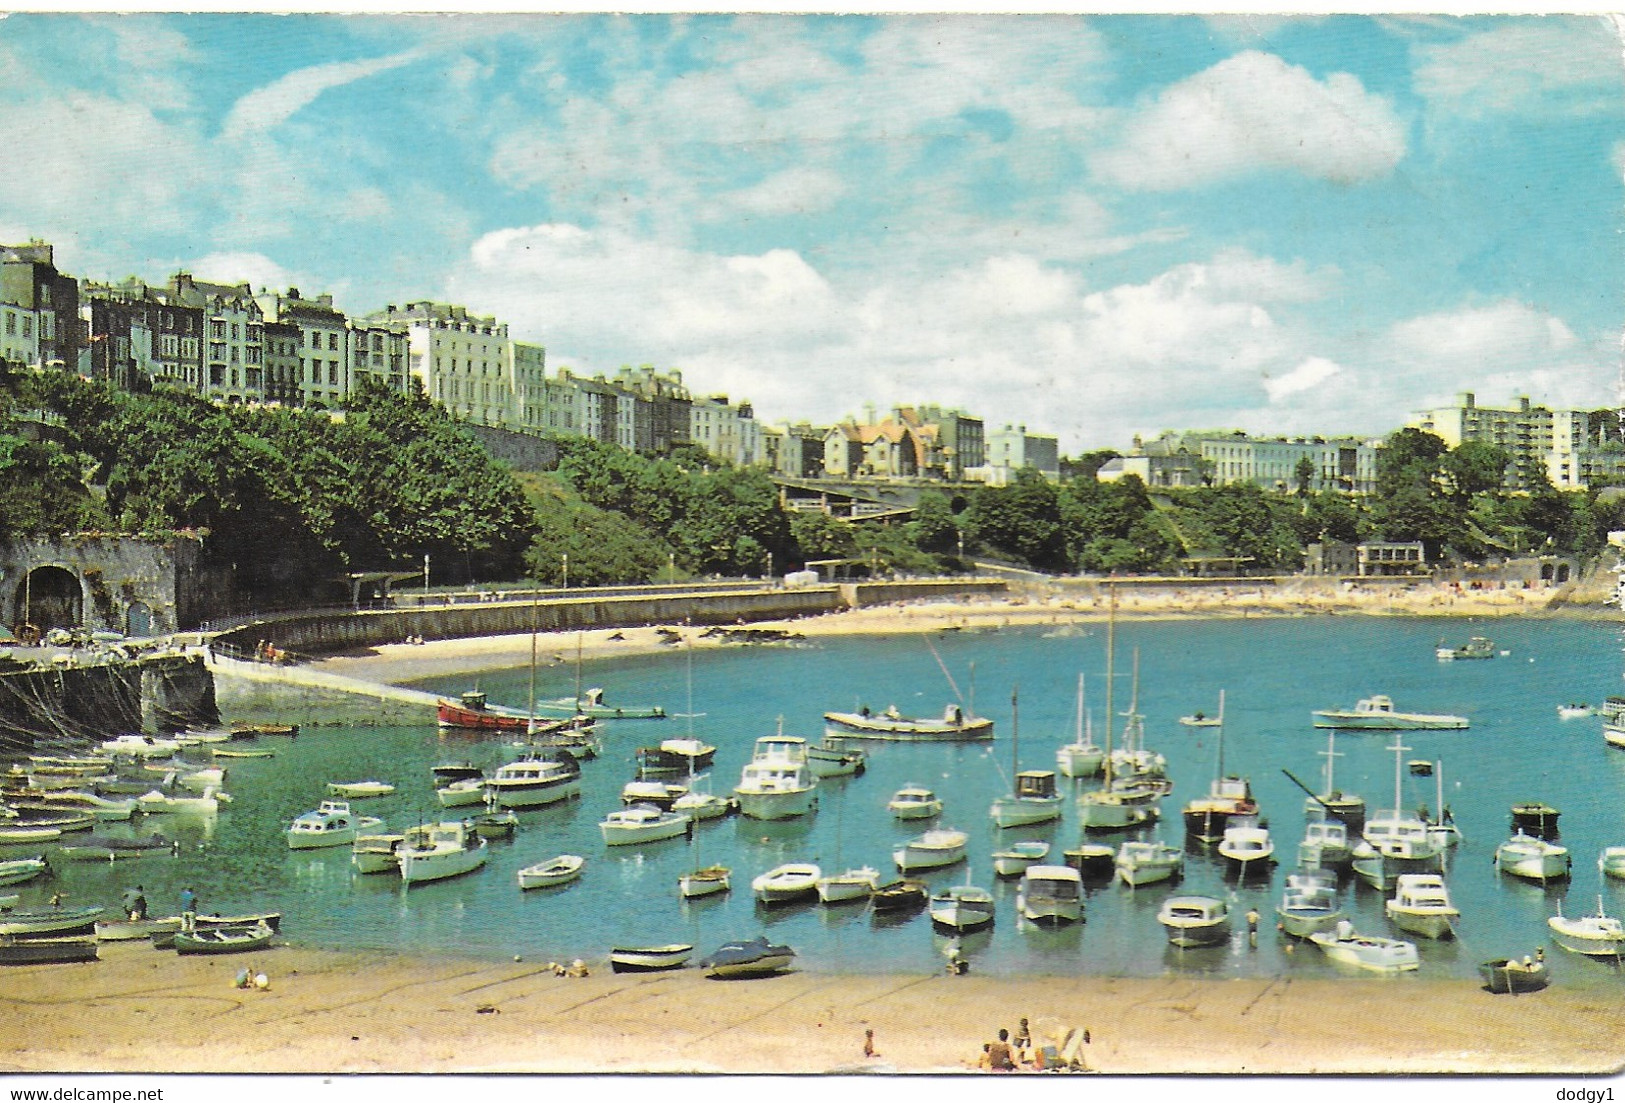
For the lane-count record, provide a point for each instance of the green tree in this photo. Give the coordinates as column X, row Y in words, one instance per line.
column 1023, row 520
column 1474, row 467
column 1304, row 473
column 934, row 528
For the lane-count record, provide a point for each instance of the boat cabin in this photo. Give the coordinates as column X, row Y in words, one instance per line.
column 1035, row 784
column 786, row 749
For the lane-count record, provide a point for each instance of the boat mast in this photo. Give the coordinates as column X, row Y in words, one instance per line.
column 1111, row 653
column 1329, row 754
column 530, row 709
column 578, row 670
column 1398, row 750
column 1015, row 744
column 1221, row 734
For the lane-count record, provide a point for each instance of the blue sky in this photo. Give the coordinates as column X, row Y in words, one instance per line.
column 1094, row 226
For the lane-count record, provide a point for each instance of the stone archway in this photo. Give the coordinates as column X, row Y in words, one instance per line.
column 48, row 597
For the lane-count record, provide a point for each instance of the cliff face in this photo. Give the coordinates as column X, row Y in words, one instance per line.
column 59, row 707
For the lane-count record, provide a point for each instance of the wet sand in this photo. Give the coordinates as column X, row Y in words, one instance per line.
column 143, row 1010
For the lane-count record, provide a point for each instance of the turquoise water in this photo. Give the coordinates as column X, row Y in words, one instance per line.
column 1274, row 673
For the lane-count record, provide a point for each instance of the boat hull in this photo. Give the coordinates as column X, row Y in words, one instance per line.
column 1350, row 721
column 1436, row 925
column 1511, row 977
column 776, row 805
column 223, row 940
column 850, row 725
column 47, row 951
column 533, row 795
column 702, row 883
column 1021, row 811
column 51, row 921
column 649, row 959
column 419, row 867
column 560, row 871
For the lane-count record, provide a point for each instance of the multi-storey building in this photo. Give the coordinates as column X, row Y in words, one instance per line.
column 379, row 351
column 1224, row 457
column 141, row 337
column 19, row 336
column 727, row 431
column 669, row 404
column 324, row 373
column 952, row 441
column 462, row 360
column 29, row 279
column 794, row 451
column 1011, row 449
column 233, row 338
column 284, row 366
column 527, row 376
column 1572, row 448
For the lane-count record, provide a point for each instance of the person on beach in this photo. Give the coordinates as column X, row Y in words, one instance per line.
column 135, row 903
column 999, row 1055
column 188, row 908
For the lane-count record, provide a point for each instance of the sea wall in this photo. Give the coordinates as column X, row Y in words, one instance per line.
column 61, row 706
column 858, row 594
column 324, row 633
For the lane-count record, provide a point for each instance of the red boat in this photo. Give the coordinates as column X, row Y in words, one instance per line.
column 471, row 711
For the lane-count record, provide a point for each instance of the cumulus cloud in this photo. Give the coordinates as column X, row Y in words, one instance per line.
column 1552, row 65
column 794, row 191
column 1313, row 372
column 1253, row 112
column 1482, row 335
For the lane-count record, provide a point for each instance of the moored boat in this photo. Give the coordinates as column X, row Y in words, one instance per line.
column 461, row 792
column 1147, row 861
column 355, row 789
column 954, row 726
column 642, row 823
column 913, row 802
column 1600, row 935
column 331, row 824
column 1246, row 848
column 435, row 851
column 899, row 895
column 776, row 783
column 754, row 958
column 1377, row 713
column 1325, row 844
column 1611, row 862
column 1308, row 903
column 535, row 781
column 786, row 883
column 849, row 885
column 662, row 795
column 54, row 919
column 1013, row 860
column 932, row 850
column 130, row 930
column 1510, row 975
column 592, row 703
column 962, row 907
column 1476, row 648
column 1383, row 955
column 1082, row 757
column 649, row 959
column 706, row 881
column 46, row 951
column 376, row 853
column 554, row 871
column 830, row 759
column 1195, row 920
column 1537, row 818
column 17, row 870
column 1050, row 894
column 1532, row 858
column 1421, row 905
column 224, row 940
column 685, row 755
column 1035, row 800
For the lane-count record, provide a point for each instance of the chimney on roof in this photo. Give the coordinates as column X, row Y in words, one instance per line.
column 293, row 293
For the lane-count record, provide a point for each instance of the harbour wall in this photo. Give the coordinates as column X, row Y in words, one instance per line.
column 61, row 706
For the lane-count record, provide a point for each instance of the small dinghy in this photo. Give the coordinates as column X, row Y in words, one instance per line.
column 224, row 940
column 1507, row 975
column 555, row 871
column 358, row 789
column 649, row 959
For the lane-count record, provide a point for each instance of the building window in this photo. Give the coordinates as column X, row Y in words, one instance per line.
column 217, row 329
column 11, row 324
column 332, row 341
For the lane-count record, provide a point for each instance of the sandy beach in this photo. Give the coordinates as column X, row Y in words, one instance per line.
column 142, row 1010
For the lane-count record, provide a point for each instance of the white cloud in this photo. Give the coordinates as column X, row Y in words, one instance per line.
column 254, row 269
column 1253, row 112
column 1474, row 337
column 1312, row 373
column 794, row 191
column 268, row 107
column 1535, row 66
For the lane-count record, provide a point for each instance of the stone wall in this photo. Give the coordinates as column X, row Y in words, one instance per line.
column 108, row 582
column 62, row 707
column 520, row 451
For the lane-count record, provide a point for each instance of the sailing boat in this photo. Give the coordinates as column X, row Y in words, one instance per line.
column 1442, row 831
column 1333, row 803
column 1207, row 817
column 591, row 701
column 1082, row 757
column 471, row 711
column 1133, row 758
column 703, row 880
column 1396, row 841
column 1033, row 798
column 854, row 884
column 1129, row 801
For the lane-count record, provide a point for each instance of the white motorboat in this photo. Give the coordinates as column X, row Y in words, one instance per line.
column 914, row 803
column 360, row 789
column 955, row 726
column 1600, row 935
column 1395, row 841
column 1476, row 648
column 852, row 884
column 707, row 881
column 788, row 882
column 140, row 746
column 376, row 853
column 1331, row 803
column 649, row 959
column 154, row 802
column 558, row 870
column 18, row 870
column 661, row 794
column 435, row 851
column 1383, row 955
column 754, row 958
column 1014, row 859
column 932, row 850
column 1613, row 734
column 683, row 755
column 1050, row 894
column 1377, row 713
column 1308, row 903
column 641, row 823
column 1246, row 848
column 1082, row 757
column 1532, row 858
column 1325, row 844
column 534, row 781
column 196, row 781
column 1574, row 712
column 1610, row 863
column 462, row 792
column 776, row 783
column 1147, row 861
column 701, row 806
column 1195, row 920
column 1034, row 801
column 962, row 907
column 1421, row 905
column 331, row 824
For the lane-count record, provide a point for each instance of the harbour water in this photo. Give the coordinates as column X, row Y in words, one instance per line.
column 1274, row 673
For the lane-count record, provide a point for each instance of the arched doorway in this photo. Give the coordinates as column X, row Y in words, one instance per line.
column 48, row 597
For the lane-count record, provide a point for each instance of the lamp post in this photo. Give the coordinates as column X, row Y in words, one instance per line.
column 425, row 578
column 566, row 558
column 671, row 567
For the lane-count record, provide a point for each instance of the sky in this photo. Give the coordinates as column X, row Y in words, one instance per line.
column 1095, row 227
